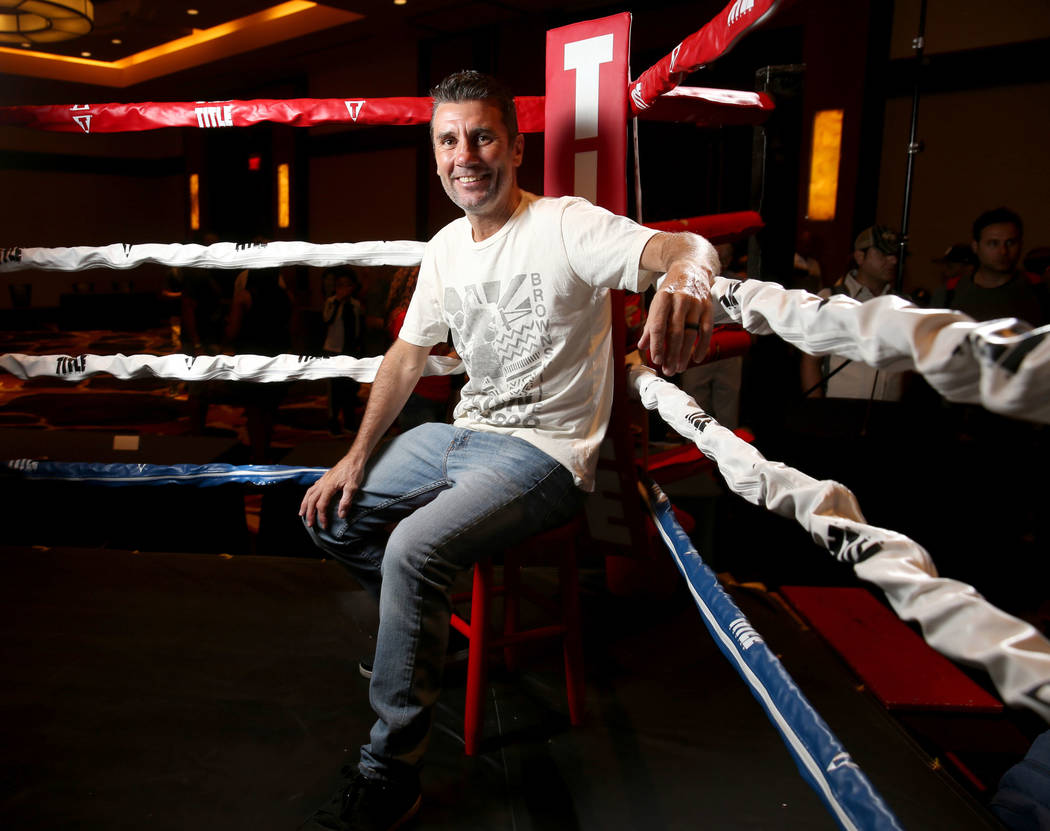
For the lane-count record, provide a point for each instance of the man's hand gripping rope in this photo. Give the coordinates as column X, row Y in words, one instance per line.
column 678, row 329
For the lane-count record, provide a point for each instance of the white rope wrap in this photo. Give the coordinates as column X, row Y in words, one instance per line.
column 955, row 620
column 1001, row 364
column 210, row 367
column 218, row 255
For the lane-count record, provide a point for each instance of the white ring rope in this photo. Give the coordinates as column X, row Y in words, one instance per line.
column 1002, row 364
column 210, row 367
column 218, row 255
column 955, row 619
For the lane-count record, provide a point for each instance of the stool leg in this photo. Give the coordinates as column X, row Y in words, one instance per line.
column 474, row 711
column 572, row 644
column 511, row 606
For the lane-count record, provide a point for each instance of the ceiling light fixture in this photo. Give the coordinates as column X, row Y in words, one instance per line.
column 192, row 11
column 400, row 2
column 45, row 21
column 277, row 24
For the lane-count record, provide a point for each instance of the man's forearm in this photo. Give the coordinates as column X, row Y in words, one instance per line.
column 398, row 375
column 665, row 250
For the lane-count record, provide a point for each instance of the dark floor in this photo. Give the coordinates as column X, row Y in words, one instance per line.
column 181, row 691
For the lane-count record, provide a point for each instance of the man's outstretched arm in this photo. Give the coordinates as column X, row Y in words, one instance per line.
column 398, row 374
column 678, row 328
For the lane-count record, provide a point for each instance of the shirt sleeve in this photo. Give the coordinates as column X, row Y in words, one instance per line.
column 605, row 249
column 425, row 319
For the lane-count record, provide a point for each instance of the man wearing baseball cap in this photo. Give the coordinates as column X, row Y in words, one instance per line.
column 875, row 257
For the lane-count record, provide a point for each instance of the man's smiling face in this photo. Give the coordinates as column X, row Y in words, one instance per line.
column 476, row 160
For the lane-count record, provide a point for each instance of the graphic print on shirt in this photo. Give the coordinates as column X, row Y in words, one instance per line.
column 503, row 332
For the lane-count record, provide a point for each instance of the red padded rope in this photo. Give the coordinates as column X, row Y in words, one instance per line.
column 710, row 107
column 700, row 48
column 296, row 112
column 695, row 105
column 715, row 227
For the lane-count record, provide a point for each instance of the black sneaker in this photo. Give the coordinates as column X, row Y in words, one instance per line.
column 326, row 818
column 372, row 805
column 364, row 666
column 367, row 805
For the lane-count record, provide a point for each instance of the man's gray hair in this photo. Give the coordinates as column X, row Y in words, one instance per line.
column 469, row 85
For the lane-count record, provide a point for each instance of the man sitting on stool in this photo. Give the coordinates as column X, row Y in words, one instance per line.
column 523, row 284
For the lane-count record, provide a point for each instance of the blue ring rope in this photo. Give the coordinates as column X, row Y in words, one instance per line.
column 820, row 757
column 203, row 476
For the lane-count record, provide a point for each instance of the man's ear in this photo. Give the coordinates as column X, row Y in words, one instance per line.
column 858, row 257
column 519, row 149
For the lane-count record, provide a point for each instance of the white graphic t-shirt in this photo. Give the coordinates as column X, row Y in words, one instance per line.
column 530, row 316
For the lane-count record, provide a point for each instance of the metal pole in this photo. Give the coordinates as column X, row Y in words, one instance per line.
column 914, row 146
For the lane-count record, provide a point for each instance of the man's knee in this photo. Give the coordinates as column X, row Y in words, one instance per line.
column 411, row 559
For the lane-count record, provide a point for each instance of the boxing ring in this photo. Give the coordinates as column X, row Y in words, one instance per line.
column 1001, row 366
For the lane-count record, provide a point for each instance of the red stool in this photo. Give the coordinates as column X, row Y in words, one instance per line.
column 566, row 626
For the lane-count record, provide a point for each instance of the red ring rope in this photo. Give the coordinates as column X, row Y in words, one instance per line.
column 696, row 105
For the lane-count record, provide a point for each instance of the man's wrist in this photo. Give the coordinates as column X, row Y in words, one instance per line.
column 692, row 279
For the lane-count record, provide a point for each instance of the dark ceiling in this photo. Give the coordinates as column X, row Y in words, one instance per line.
column 143, row 24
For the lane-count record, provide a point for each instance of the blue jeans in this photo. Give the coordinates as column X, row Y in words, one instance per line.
column 457, row 496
